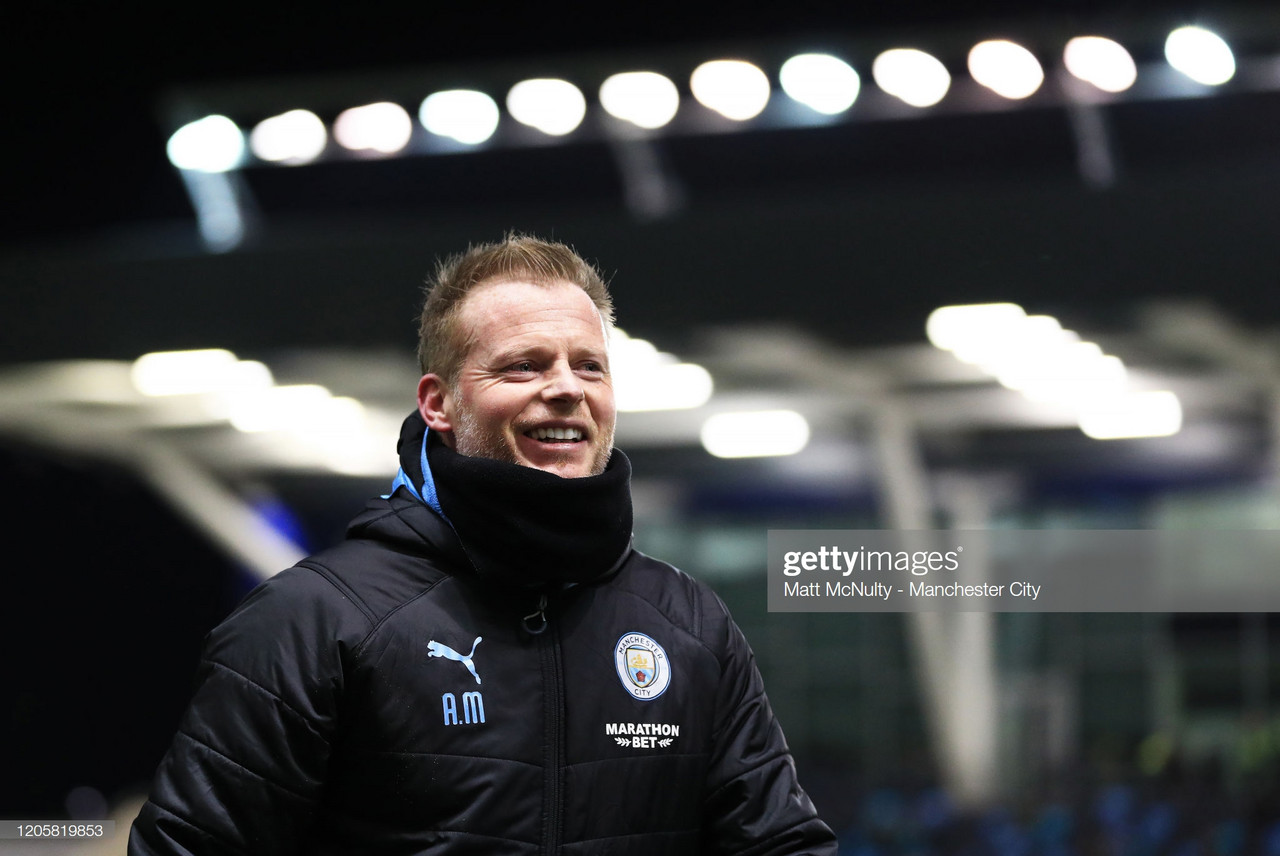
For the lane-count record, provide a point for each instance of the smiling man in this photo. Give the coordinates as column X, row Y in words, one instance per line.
column 486, row 665
column 533, row 388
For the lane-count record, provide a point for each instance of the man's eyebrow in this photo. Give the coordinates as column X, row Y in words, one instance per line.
column 517, row 352
column 533, row 349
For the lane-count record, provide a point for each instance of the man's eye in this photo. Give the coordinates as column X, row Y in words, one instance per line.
column 522, row 366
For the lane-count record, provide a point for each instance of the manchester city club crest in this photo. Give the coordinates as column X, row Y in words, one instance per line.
column 643, row 667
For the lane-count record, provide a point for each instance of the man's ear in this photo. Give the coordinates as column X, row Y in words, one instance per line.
column 435, row 403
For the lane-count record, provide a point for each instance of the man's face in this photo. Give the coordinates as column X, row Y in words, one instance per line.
column 534, row 388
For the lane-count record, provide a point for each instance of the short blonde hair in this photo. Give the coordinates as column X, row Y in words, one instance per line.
column 523, row 258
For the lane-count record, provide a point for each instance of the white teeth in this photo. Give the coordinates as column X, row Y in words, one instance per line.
column 556, row 434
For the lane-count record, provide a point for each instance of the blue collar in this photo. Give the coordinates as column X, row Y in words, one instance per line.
column 427, row 492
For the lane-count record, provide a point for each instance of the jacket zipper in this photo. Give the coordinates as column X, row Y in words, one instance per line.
column 553, row 746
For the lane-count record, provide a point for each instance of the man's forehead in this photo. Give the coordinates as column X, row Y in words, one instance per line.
column 521, row 296
column 504, row 308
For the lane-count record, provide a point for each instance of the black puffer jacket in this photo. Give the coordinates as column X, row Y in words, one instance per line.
column 382, row 697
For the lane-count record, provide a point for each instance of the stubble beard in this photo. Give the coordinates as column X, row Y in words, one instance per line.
column 477, row 441
column 472, row 439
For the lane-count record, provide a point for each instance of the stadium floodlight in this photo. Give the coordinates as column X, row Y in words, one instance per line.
column 1077, row 374
column 212, row 370
column 1201, row 55
column 666, row 386
column 1139, row 414
column 334, row 418
column 554, row 107
column 344, row 436
column 912, row 76
column 278, row 408
column 383, row 127
column 953, row 327
column 755, row 434
column 1007, row 345
column 1100, row 61
column 1006, row 68
column 735, row 89
column 645, row 378
column 465, row 115
column 821, row 82
column 212, row 144
column 294, row 137
column 643, row 98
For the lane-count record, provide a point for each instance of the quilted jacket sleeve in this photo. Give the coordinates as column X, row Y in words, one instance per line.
column 246, row 770
column 754, row 804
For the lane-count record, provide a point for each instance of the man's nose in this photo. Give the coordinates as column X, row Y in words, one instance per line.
column 563, row 384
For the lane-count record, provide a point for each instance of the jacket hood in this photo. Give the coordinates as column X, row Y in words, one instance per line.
column 405, row 524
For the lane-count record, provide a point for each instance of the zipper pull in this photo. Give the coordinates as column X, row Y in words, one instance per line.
column 535, row 623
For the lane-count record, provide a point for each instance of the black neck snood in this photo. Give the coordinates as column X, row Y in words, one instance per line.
column 532, row 529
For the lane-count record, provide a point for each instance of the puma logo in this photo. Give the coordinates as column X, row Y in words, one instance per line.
column 435, row 649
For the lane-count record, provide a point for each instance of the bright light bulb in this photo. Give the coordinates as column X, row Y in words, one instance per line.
column 1009, row 344
column 211, row 144
column 672, row 386
column 645, row 378
column 755, row 434
column 212, row 370
column 383, row 127
column 642, row 98
column 1102, row 62
column 1006, row 68
column 554, row 107
column 1200, row 55
column 736, row 90
column 1075, row 375
column 278, row 408
column 465, row 115
column 1140, row 414
column 952, row 327
column 181, row 372
column 912, row 76
column 821, row 82
column 295, row 137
